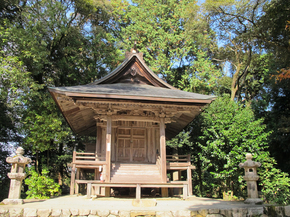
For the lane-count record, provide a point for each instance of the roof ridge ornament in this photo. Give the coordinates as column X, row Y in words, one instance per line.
column 133, row 51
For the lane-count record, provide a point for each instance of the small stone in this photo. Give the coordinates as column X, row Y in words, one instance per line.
column 124, row 213
column 93, row 215
column 255, row 211
column 181, row 213
column 279, row 210
column 142, row 213
column 103, row 213
column 16, row 212
column 65, row 213
column 114, row 212
column 226, row 212
column 56, row 213
column 287, row 210
column 239, row 212
column 164, row 214
column 203, row 212
column 144, row 202
column 3, row 211
column 111, row 215
column 84, row 212
column 74, row 212
column 43, row 212
column 93, row 212
column 28, row 212
column 214, row 215
column 213, row 211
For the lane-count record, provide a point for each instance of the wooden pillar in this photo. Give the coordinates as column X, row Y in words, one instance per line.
column 189, row 179
column 164, row 192
column 138, row 192
column 72, row 179
column 185, row 187
column 108, row 148
column 77, row 177
column 99, row 140
column 107, row 191
column 163, row 151
column 73, row 174
column 89, row 189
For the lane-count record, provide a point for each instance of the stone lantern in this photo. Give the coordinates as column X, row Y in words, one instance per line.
column 251, row 178
column 17, row 175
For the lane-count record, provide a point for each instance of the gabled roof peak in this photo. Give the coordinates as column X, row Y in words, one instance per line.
column 133, row 70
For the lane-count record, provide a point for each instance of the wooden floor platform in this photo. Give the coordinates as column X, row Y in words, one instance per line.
column 138, row 186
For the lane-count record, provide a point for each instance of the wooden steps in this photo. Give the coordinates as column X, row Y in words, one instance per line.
column 135, row 173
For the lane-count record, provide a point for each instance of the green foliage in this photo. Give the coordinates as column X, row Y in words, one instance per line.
column 275, row 183
column 229, row 131
column 50, row 43
column 41, row 186
column 159, row 29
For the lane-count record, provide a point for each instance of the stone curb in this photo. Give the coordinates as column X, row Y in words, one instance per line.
column 266, row 211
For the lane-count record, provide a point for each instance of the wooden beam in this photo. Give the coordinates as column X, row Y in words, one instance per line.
column 108, row 148
column 163, row 151
column 134, row 118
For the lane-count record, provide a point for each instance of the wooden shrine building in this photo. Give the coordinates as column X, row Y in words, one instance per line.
column 131, row 112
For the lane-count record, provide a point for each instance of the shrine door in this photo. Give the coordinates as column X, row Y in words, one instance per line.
column 131, row 145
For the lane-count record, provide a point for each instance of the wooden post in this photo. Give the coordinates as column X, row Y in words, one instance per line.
column 108, row 148
column 185, row 191
column 107, row 191
column 77, row 177
column 138, row 192
column 89, row 189
column 189, row 179
column 163, row 151
column 164, row 192
column 98, row 142
column 73, row 174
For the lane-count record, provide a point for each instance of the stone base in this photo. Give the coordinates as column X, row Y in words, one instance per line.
column 144, row 202
column 253, row 201
column 12, row 201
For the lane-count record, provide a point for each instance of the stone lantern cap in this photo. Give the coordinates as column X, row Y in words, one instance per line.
column 249, row 163
column 18, row 158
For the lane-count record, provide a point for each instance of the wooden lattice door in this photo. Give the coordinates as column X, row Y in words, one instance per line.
column 139, row 147
column 124, row 145
column 131, row 145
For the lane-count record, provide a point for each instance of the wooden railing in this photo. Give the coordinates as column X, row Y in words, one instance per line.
column 178, row 158
column 88, row 158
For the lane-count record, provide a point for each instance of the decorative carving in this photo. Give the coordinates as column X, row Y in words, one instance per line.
column 133, row 71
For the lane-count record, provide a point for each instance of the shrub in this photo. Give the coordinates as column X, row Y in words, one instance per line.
column 41, row 186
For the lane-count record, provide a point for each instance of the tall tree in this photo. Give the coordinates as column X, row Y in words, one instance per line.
column 235, row 23
column 158, row 27
column 52, row 43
